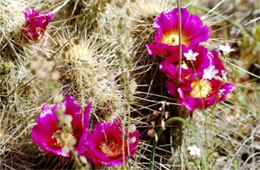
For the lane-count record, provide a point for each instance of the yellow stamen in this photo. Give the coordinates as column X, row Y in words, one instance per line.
column 39, row 31
column 111, row 149
column 200, row 89
column 184, row 65
column 173, row 39
column 67, row 138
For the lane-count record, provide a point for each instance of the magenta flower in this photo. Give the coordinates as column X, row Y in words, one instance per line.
column 201, row 85
column 45, row 132
column 105, row 145
column 202, row 93
column 36, row 23
column 166, row 36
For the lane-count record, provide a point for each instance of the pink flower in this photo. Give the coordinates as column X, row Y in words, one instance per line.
column 197, row 91
column 202, row 93
column 166, row 36
column 45, row 132
column 36, row 23
column 105, row 145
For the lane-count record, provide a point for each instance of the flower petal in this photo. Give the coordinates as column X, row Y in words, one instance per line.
column 87, row 116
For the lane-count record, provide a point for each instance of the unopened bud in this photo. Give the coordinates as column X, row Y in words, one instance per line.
column 131, row 128
column 151, row 133
column 156, row 113
column 153, row 124
column 163, row 124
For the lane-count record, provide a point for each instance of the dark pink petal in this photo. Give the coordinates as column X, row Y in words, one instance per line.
column 184, row 101
column 211, row 100
column 203, row 60
column 166, row 22
column 133, row 146
column 83, row 144
column 228, row 88
column 171, row 88
column 199, row 37
column 158, row 49
column 172, row 71
column 71, row 106
column 218, row 96
column 158, row 36
column 189, row 102
column 87, row 116
column 218, row 62
column 169, row 69
column 48, row 110
column 29, row 14
column 45, row 127
column 44, row 130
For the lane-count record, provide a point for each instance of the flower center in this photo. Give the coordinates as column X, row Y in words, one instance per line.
column 39, row 32
column 173, row 39
column 200, row 89
column 66, row 139
column 111, row 148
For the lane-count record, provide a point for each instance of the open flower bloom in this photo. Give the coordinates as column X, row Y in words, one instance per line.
column 105, row 145
column 199, row 93
column 167, row 25
column 45, row 132
column 36, row 23
column 201, row 84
